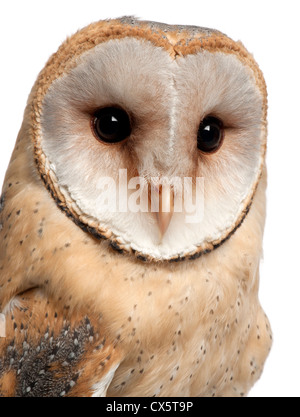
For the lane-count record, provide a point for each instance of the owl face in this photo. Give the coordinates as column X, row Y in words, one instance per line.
column 125, row 112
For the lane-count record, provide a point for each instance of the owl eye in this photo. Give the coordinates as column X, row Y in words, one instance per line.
column 210, row 134
column 111, row 124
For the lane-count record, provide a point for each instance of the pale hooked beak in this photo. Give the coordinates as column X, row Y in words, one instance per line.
column 162, row 203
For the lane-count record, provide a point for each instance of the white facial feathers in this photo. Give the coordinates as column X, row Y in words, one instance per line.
column 167, row 99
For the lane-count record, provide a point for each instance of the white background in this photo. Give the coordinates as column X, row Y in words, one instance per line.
column 31, row 30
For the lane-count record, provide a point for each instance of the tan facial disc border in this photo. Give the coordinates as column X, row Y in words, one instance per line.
column 179, row 41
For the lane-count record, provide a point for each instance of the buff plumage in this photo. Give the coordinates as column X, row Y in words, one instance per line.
column 98, row 305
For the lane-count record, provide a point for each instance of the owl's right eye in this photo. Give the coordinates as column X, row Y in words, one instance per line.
column 111, row 124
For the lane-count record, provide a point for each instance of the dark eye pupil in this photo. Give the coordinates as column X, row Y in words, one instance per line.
column 111, row 124
column 210, row 134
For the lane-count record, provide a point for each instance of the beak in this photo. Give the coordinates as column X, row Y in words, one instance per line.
column 162, row 203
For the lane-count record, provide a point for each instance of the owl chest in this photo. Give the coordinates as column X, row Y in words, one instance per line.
column 176, row 341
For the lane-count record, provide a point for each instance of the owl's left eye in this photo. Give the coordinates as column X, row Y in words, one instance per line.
column 111, row 124
column 210, row 134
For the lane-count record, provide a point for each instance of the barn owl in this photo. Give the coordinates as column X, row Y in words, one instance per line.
column 102, row 296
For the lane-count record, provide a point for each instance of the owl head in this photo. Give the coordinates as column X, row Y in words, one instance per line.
column 151, row 136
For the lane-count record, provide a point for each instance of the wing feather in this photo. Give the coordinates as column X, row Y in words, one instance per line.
column 49, row 351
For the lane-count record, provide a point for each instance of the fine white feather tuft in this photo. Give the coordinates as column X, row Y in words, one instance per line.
column 101, row 387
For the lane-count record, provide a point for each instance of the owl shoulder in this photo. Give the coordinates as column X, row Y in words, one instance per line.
column 48, row 350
